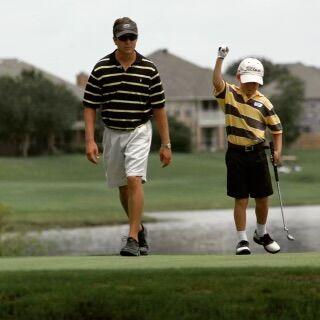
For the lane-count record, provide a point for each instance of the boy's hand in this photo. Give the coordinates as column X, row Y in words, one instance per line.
column 223, row 51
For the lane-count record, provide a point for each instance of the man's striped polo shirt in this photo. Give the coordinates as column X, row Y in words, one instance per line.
column 247, row 119
column 126, row 98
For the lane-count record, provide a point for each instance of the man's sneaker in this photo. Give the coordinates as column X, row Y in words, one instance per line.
column 243, row 248
column 267, row 242
column 143, row 244
column 131, row 248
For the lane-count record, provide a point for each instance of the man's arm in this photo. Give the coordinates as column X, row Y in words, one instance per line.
column 161, row 119
column 277, row 140
column 92, row 151
column 218, row 82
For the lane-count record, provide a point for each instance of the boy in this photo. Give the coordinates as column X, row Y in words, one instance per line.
column 248, row 114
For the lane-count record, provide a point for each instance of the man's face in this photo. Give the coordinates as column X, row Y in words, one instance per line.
column 126, row 43
column 249, row 88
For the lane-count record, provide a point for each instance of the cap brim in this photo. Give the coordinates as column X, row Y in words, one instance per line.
column 251, row 78
column 121, row 33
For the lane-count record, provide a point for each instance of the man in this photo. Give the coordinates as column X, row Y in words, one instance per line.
column 127, row 88
column 248, row 114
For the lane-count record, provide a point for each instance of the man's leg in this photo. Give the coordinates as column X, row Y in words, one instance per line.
column 132, row 200
column 124, row 199
column 123, row 195
column 135, row 205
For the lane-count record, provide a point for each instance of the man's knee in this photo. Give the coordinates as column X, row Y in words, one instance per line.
column 134, row 181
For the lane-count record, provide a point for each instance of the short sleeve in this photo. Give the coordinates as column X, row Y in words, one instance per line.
column 156, row 92
column 93, row 97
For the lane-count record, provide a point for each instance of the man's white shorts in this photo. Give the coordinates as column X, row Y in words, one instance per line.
column 125, row 154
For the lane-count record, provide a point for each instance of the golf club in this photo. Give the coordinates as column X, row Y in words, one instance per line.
column 289, row 236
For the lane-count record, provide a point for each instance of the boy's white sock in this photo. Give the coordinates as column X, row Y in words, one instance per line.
column 242, row 235
column 261, row 229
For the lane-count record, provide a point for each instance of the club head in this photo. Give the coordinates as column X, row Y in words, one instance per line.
column 290, row 237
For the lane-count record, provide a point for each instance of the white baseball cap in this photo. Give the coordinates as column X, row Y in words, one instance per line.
column 251, row 70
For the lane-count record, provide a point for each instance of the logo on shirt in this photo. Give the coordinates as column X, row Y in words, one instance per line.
column 258, row 104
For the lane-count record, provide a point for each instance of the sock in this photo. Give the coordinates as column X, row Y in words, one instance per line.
column 261, row 229
column 242, row 235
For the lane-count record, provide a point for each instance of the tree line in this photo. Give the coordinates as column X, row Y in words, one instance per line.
column 37, row 115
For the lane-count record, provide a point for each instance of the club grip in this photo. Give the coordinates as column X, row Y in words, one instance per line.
column 275, row 168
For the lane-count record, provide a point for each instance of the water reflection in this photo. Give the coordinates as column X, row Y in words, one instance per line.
column 208, row 231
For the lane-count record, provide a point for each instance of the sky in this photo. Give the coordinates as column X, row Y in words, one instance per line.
column 65, row 37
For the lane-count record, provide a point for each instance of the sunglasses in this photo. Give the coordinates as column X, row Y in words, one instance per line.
column 130, row 37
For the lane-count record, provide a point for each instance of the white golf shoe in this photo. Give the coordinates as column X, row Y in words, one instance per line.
column 267, row 242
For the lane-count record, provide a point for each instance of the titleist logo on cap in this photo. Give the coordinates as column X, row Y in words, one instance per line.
column 252, row 68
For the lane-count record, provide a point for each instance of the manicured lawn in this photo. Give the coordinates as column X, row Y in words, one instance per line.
column 68, row 191
column 285, row 286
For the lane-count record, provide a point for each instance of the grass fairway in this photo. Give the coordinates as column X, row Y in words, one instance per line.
column 68, row 191
column 284, row 286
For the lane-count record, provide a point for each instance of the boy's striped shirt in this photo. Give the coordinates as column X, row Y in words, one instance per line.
column 126, row 98
column 247, row 119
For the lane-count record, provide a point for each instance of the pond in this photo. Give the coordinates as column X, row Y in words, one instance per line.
column 205, row 231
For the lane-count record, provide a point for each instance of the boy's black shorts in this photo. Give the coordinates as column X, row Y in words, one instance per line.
column 248, row 174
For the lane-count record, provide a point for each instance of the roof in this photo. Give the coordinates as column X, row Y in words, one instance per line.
column 181, row 78
column 310, row 76
column 13, row 67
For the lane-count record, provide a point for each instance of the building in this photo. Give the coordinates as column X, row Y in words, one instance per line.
column 13, row 67
column 189, row 98
column 310, row 117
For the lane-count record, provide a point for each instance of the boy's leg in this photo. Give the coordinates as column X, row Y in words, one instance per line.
column 240, row 217
column 260, row 235
column 262, row 208
column 239, row 213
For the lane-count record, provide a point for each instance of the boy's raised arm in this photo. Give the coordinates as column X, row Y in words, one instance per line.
column 218, row 82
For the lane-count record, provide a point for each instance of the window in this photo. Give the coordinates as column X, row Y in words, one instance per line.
column 188, row 113
column 177, row 113
column 208, row 105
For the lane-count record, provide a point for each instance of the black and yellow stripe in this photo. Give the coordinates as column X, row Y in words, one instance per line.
column 247, row 119
column 126, row 97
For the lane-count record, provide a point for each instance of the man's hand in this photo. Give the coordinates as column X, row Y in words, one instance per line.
column 165, row 156
column 92, row 152
column 222, row 52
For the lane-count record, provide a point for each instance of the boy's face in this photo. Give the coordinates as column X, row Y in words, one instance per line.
column 249, row 88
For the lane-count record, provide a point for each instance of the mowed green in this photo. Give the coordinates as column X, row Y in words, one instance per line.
column 284, row 286
column 68, row 191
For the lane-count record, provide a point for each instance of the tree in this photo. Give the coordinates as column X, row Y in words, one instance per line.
column 288, row 99
column 289, row 105
column 34, row 110
column 180, row 136
column 271, row 71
